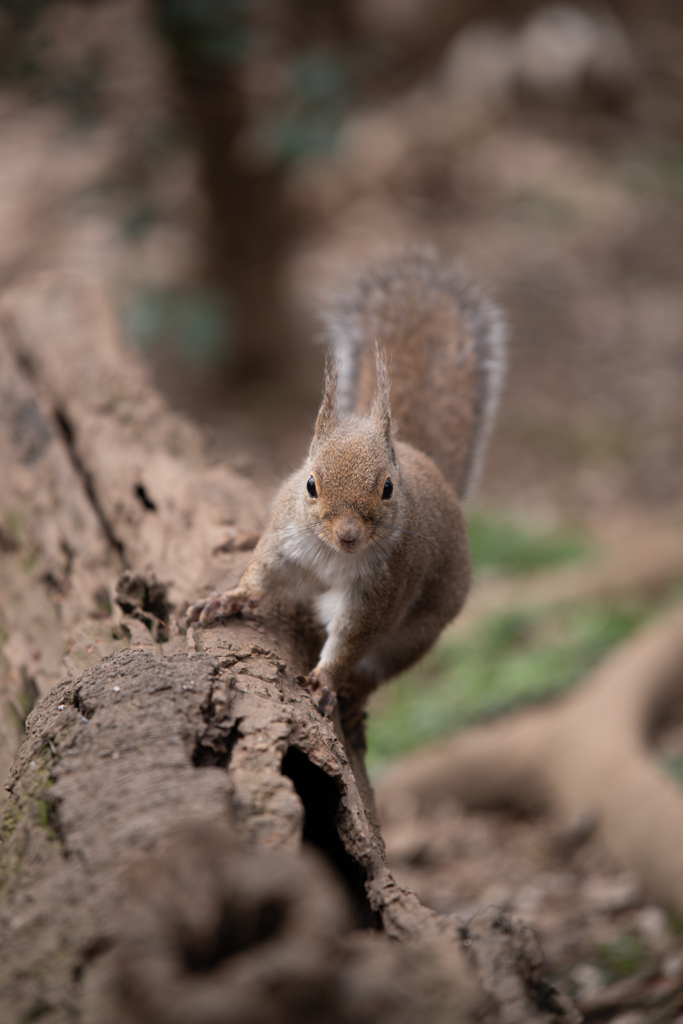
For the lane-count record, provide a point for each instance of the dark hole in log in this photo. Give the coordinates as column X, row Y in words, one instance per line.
column 320, row 797
column 239, row 928
column 156, row 601
column 83, row 709
column 144, row 498
column 91, row 952
column 145, row 599
column 215, row 747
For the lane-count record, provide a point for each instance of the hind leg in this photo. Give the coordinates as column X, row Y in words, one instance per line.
column 353, row 697
column 398, row 651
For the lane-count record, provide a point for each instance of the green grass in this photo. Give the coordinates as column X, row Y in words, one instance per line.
column 195, row 324
column 654, row 175
column 509, row 660
column 542, row 208
column 673, row 766
column 500, row 545
column 624, row 956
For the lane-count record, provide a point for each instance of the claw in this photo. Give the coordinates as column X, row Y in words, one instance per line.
column 322, row 693
column 325, row 700
column 194, row 611
column 217, row 606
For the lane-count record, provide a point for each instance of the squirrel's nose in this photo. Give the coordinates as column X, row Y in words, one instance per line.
column 348, row 533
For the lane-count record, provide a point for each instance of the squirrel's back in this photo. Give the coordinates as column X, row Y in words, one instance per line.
column 446, row 347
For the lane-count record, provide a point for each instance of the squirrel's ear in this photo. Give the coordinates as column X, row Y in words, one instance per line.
column 381, row 410
column 327, row 415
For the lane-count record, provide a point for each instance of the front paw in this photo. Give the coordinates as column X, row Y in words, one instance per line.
column 319, row 685
column 218, row 607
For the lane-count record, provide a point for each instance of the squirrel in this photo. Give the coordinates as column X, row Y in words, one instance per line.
column 372, row 520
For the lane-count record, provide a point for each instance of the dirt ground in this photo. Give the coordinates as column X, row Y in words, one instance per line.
column 617, row 954
column 569, row 209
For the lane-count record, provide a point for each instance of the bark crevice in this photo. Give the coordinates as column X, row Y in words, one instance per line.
column 67, row 433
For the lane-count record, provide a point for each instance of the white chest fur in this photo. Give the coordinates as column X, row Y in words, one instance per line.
column 337, row 576
column 326, row 568
column 331, row 576
column 328, row 604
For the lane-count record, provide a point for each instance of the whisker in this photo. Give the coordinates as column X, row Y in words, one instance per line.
column 314, row 560
column 308, row 558
column 314, row 563
column 301, row 533
column 248, row 566
column 286, row 564
column 387, row 526
column 283, row 565
column 383, row 548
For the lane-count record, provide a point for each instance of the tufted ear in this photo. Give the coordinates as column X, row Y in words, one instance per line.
column 381, row 410
column 328, row 414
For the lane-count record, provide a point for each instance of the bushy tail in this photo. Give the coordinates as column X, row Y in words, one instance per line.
column 446, row 348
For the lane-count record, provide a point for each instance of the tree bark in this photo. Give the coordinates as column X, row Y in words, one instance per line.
column 151, row 864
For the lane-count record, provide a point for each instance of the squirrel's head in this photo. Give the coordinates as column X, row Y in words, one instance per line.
column 352, row 485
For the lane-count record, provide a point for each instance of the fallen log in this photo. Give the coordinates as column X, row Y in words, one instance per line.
column 152, row 864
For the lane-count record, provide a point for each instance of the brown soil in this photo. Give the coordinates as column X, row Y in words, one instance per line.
column 605, row 943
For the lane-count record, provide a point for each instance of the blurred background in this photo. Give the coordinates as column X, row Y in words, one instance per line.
column 225, row 164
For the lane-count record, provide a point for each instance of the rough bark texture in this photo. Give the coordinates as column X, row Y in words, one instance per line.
column 151, row 865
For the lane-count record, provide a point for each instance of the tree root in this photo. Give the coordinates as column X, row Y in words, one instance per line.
column 585, row 758
column 642, row 564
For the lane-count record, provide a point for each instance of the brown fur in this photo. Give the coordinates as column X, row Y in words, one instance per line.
column 386, row 571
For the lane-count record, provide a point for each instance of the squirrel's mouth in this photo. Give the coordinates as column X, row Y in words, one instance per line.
column 348, row 535
column 349, row 546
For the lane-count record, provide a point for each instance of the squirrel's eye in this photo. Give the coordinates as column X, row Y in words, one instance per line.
column 388, row 490
column 310, row 487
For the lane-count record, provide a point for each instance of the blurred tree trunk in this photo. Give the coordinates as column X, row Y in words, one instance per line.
column 249, row 230
column 235, row 69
